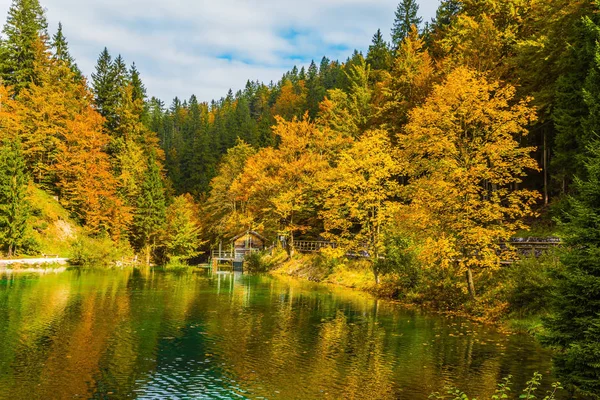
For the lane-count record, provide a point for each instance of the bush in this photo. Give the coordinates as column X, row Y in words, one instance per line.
column 264, row 261
column 400, row 260
column 100, row 251
column 528, row 285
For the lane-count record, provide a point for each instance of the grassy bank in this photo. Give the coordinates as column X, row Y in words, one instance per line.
column 52, row 232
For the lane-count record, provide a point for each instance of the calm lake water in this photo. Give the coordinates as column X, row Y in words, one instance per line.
column 130, row 334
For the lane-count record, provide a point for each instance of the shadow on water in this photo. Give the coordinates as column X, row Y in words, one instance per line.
column 190, row 334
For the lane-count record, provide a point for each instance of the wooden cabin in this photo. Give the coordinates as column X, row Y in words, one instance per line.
column 240, row 246
column 246, row 243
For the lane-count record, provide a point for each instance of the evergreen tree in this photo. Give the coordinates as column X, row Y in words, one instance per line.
column 316, row 91
column 14, row 209
column 61, row 51
column 575, row 327
column 25, row 27
column 120, row 73
column 104, row 87
column 378, row 56
column 407, row 15
column 139, row 90
column 149, row 217
column 447, row 10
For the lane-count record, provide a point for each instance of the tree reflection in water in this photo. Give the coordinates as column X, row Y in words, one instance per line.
column 123, row 334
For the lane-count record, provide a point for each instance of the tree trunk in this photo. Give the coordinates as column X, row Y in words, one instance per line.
column 545, row 170
column 375, row 272
column 147, row 250
column 470, row 283
column 10, row 250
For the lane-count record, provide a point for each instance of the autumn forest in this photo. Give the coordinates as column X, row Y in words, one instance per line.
column 424, row 157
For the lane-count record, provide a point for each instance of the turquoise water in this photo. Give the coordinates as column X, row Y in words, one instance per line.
column 191, row 335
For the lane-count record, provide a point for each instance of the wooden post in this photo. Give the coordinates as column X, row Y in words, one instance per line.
column 545, row 170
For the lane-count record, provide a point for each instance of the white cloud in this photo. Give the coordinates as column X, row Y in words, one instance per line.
column 202, row 47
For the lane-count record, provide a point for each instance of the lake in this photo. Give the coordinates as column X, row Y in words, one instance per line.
column 194, row 335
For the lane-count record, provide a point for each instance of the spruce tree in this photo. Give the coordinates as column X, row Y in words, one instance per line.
column 25, row 27
column 575, row 327
column 120, row 73
column 316, row 91
column 447, row 10
column 149, row 218
column 14, row 209
column 139, row 90
column 61, row 51
column 103, row 85
column 378, row 56
column 407, row 15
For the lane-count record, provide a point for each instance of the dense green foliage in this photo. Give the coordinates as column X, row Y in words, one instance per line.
column 149, row 217
column 24, row 32
column 14, row 209
column 575, row 326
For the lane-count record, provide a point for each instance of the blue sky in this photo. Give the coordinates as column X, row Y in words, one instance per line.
column 201, row 47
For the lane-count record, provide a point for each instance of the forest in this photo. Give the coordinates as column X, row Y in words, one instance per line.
column 426, row 153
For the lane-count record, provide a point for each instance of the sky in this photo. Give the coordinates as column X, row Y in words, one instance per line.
column 185, row 47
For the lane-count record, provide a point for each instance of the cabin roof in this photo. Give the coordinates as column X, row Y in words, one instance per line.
column 254, row 233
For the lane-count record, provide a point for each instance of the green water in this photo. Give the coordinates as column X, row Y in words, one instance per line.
column 130, row 334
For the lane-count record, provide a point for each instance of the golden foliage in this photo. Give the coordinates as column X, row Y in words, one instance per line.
column 464, row 165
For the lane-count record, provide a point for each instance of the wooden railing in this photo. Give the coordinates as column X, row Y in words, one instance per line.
column 529, row 246
column 238, row 254
column 222, row 255
column 311, row 246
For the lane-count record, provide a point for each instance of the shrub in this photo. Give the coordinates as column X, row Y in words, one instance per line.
column 100, row 251
column 528, row 284
column 400, row 260
column 264, row 261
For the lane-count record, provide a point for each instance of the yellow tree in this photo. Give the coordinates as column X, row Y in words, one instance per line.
column 225, row 209
column 131, row 145
column 349, row 112
column 464, row 165
column 408, row 85
column 182, row 230
column 360, row 196
column 291, row 100
column 280, row 184
column 44, row 109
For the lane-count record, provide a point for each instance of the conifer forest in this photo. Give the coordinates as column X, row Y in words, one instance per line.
column 416, row 171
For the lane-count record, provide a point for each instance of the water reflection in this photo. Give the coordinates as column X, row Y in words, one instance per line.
column 147, row 334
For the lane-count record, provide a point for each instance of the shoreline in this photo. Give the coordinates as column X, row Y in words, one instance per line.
column 503, row 326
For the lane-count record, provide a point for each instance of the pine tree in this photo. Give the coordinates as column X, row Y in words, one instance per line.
column 61, row 51
column 149, row 217
column 103, row 87
column 574, row 328
column 447, row 10
column 14, row 209
column 407, row 15
column 25, row 26
column 378, row 56
column 119, row 72
column 139, row 90
column 315, row 90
